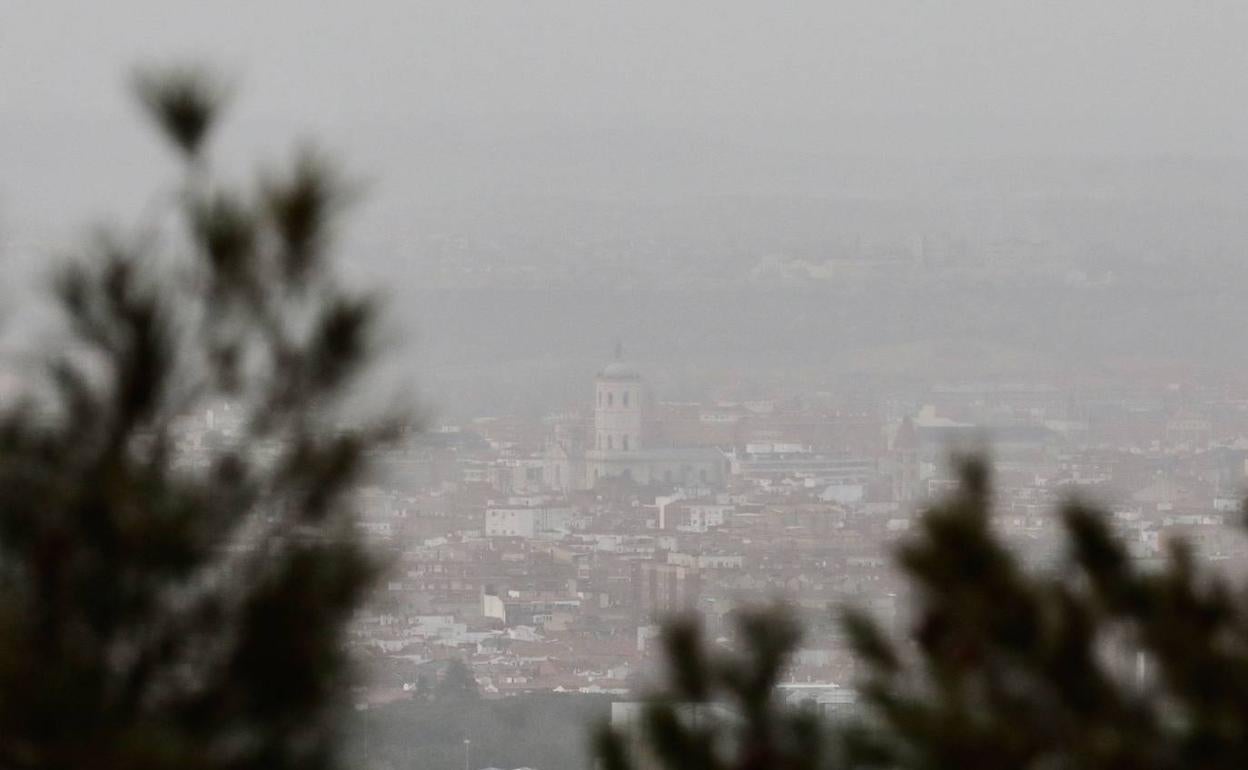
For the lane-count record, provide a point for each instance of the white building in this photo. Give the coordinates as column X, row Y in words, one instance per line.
column 524, row 518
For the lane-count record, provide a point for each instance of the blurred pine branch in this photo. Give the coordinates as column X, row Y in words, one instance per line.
column 1100, row 663
column 169, row 606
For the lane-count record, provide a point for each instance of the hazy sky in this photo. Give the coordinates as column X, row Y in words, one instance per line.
column 399, row 86
column 887, row 76
column 462, row 99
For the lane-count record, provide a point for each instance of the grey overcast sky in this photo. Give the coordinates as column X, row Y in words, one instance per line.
column 426, row 96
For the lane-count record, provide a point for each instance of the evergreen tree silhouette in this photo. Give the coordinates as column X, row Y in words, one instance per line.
column 165, row 606
column 1098, row 663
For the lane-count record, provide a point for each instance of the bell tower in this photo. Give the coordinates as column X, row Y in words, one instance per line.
column 617, row 407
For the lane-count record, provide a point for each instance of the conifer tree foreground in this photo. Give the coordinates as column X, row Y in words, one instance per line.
column 1100, row 663
column 163, row 606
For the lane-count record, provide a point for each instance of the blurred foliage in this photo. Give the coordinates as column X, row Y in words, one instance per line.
column 170, row 606
column 1100, row 662
column 720, row 709
column 457, row 683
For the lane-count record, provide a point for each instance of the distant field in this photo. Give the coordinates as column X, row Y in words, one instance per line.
column 548, row 732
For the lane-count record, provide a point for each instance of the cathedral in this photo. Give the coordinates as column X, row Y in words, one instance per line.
column 617, row 445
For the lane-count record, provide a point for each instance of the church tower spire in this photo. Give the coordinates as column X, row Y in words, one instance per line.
column 617, row 406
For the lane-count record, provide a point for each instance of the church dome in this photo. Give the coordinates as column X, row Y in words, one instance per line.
column 619, row 370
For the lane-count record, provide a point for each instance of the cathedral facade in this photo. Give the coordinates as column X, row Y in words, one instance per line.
column 617, row 447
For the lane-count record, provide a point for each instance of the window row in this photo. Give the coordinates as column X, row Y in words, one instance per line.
column 610, row 398
column 611, row 443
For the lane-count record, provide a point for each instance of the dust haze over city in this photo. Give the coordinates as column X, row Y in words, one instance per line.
column 696, row 299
